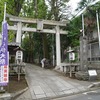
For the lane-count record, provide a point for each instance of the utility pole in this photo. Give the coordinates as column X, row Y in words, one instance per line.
column 97, row 17
column 83, row 25
column 53, row 55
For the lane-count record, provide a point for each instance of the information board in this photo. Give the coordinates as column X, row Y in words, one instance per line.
column 19, row 55
column 4, row 75
column 71, row 56
column 92, row 72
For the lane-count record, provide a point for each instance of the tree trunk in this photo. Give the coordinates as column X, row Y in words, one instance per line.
column 18, row 6
column 45, row 46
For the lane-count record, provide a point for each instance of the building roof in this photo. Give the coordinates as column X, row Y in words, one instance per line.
column 13, row 44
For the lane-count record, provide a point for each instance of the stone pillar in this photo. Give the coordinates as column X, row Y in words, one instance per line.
column 19, row 33
column 58, row 51
column 83, row 53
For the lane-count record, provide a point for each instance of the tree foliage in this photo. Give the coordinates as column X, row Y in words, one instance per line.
column 13, row 7
column 39, row 45
column 36, row 9
column 39, row 10
column 57, row 9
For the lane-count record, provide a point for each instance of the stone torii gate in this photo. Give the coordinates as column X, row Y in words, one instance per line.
column 40, row 28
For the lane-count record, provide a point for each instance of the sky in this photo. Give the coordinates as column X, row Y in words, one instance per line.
column 73, row 4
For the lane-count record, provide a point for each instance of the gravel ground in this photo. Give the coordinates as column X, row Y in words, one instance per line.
column 15, row 85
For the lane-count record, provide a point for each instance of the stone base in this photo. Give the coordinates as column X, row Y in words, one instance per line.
column 92, row 78
column 81, row 75
column 2, row 91
column 5, row 96
column 57, row 68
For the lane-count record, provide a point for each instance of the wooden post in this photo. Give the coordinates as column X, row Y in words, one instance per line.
column 70, row 67
column 19, row 72
column 58, row 53
column 19, row 33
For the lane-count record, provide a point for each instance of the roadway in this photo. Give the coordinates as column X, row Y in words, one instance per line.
column 91, row 95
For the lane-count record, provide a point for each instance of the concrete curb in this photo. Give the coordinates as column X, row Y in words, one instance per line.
column 94, row 85
column 18, row 93
column 87, row 90
column 6, row 96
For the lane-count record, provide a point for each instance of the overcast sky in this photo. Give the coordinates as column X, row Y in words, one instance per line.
column 74, row 3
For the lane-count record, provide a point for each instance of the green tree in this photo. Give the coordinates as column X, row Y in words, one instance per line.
column 36, row 9
column 84, row 4
column 13, row 8
column 57, row 9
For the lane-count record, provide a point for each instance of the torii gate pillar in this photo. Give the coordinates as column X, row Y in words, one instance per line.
column 19, row 33
column 58, row 51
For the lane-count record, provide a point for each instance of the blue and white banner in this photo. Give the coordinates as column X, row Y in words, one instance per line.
column 4, row 70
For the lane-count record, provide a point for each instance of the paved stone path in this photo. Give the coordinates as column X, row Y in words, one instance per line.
column 45, row 83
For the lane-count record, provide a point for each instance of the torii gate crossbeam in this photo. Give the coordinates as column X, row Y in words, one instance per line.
column 40, row 23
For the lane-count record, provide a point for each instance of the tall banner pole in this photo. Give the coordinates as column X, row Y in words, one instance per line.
column 97, row 17
column 4, row 12
column 4, row 70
